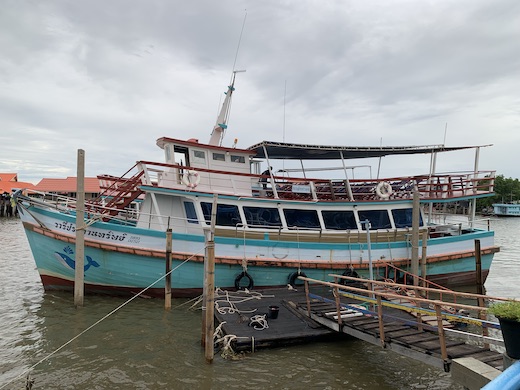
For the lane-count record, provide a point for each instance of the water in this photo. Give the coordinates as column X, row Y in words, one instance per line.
column 144, row 347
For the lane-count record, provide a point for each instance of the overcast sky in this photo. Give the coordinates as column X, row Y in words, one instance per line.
column 112, row 76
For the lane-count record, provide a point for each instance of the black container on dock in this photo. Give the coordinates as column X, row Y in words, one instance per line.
column 273, row 312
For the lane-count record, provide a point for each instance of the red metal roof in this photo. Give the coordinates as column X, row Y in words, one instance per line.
column 8, row 181
column 67, row 185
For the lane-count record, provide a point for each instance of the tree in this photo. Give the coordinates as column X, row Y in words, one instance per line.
column 506, row 191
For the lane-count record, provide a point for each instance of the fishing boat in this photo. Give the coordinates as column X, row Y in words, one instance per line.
column 268, row 227
column 506, row 209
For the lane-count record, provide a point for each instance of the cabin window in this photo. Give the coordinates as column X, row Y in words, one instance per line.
column 302, row 218
column 403, row 218
column 191, row 215
column 219, row 157
column 199, row 156
column 262, row 216
column 238, row 159
column 227, row 215
column 379, row 219
column 339, row 220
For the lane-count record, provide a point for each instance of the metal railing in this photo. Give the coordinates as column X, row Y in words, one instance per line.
column 377, row 300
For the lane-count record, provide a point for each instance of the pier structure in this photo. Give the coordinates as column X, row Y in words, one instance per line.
column 442, row 328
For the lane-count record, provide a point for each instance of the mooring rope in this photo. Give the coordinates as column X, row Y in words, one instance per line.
column 98, row 322
column 259, row 322
column 231, row 299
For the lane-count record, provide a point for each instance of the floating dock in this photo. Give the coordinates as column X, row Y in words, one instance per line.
column 247, row 318
column 271, row 318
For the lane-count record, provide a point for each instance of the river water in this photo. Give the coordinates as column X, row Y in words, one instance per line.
column 142, row 346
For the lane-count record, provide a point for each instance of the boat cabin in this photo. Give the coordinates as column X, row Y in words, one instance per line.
column 194, row 161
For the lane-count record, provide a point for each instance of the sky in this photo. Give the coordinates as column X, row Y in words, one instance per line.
column 111, row 77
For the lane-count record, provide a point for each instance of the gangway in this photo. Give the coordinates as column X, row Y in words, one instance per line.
column 370, row 315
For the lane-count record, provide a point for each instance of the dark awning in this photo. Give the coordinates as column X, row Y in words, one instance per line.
column 287, row 151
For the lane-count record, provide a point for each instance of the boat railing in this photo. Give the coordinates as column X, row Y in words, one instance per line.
column 440, row 220
column 103, row 213
column 430, row 187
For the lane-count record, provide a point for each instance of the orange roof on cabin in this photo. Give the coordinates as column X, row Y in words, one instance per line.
column 67, row 185
column 8, row 181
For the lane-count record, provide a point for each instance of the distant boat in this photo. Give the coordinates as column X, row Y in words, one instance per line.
column 269, row 228
column 506, row 209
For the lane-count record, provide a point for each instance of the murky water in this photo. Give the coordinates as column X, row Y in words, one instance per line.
column 142, row 346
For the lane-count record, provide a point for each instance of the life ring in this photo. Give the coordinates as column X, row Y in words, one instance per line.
column 187, row 178
column 239, row 278
column 293, row 277
column 384, row 190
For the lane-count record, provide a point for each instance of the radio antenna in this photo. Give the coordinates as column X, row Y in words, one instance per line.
column 239, row 41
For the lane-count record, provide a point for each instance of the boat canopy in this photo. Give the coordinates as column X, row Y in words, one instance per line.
column 290, row 151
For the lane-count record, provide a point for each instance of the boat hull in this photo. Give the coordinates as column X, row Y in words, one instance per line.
column 114, row 268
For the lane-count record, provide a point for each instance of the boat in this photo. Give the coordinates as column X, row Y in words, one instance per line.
column 506, row 209
column 268, row 227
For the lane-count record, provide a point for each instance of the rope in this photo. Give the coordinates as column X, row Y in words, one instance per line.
column 225, row 341
column 97, row 322
column 259, row 322
column 231, row 299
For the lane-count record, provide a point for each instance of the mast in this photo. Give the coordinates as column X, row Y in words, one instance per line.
column 218, row 131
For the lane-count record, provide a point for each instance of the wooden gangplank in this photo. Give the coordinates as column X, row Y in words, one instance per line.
column 401, row 333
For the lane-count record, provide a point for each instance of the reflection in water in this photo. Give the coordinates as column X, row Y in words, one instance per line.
column 144, row 347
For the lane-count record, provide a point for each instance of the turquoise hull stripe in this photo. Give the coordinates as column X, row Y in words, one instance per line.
column 140, row 272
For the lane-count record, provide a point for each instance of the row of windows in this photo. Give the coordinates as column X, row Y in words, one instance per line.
column 228, row 215
column 201, row 156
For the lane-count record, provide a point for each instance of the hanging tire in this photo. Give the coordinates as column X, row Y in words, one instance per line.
column 349, row 272
column 240, row 277
column 293, row 278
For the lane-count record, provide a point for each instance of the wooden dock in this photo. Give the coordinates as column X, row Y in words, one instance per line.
column 239, row 314
column 330, row 311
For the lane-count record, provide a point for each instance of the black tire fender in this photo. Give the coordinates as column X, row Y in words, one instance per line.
column 293, row 277
column 239, row 278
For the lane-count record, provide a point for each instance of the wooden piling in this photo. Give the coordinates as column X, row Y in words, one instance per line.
column 478, row 264
column 423, row 256
column 168, row 279
column 416, row 213
column 79, row 271
column 480, row 284
column 209, row 287
column 210, row 308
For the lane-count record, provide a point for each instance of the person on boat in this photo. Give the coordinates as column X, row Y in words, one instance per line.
column 265, row 174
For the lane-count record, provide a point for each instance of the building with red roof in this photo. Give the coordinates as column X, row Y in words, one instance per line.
column 9, row 182
column 68, row 186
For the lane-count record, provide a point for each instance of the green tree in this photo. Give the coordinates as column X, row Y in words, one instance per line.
column 506, row 190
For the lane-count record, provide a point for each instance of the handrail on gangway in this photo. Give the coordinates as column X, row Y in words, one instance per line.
column 374, row 297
